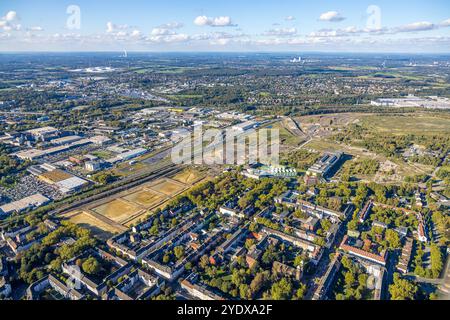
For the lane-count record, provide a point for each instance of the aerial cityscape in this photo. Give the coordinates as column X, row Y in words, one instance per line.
column 194, row 150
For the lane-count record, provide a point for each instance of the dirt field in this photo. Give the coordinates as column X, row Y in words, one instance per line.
column 99, row 228
column 188, row 176
column 128, row 207
column 168, row 187
column 117, row 210
column 145, row 198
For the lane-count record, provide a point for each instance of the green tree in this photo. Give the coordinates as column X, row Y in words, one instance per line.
column 91, row 266
column 166, row 258
column 393, row 239
column 179, row 252
column 402, row 289
column 281, row 290
column 436, row 260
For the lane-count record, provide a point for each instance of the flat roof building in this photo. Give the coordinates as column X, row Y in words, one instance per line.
column 18, row 206
column 65, row 140
column 42, row 133
column 324, row 165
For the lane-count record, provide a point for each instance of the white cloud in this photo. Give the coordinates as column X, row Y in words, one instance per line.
column 326, row 33
column 332, row 16
column 9, row 22
column 171, row 25
column 111, row 27
column 345, row 32
column 217, row 37
column 220, row 42
column 353, row 31
column 417, row 26
column 281, row 32
column 281, row 37
column 445, row 23
column 35, row 28
column 170, row 38
column 289, row 18
column 166, row 33
column 135, row 33
column 224, row 21
column 11, row 16
column 12, row 27
column 161, row 32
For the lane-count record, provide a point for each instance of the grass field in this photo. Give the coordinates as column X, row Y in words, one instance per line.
column 117, row 210
column 408, row 124
column 287, row 138
column 102, row 154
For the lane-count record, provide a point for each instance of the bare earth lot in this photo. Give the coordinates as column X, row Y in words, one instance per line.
column 118, row 212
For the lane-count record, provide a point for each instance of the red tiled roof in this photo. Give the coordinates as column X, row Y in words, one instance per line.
column 369, row 255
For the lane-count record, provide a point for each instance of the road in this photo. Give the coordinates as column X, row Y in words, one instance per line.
column 444, row 288
column 389, row 276
column 324, row 262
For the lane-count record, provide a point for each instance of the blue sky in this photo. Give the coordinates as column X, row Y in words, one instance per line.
column 200, row 25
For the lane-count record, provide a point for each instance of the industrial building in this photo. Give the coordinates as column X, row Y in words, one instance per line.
column 127, row 155
column 63, row 180
column 18, row 206
column 325, row 164
column 33, row 154
column 43, row 133
column 411, row 101
column 244, row 126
